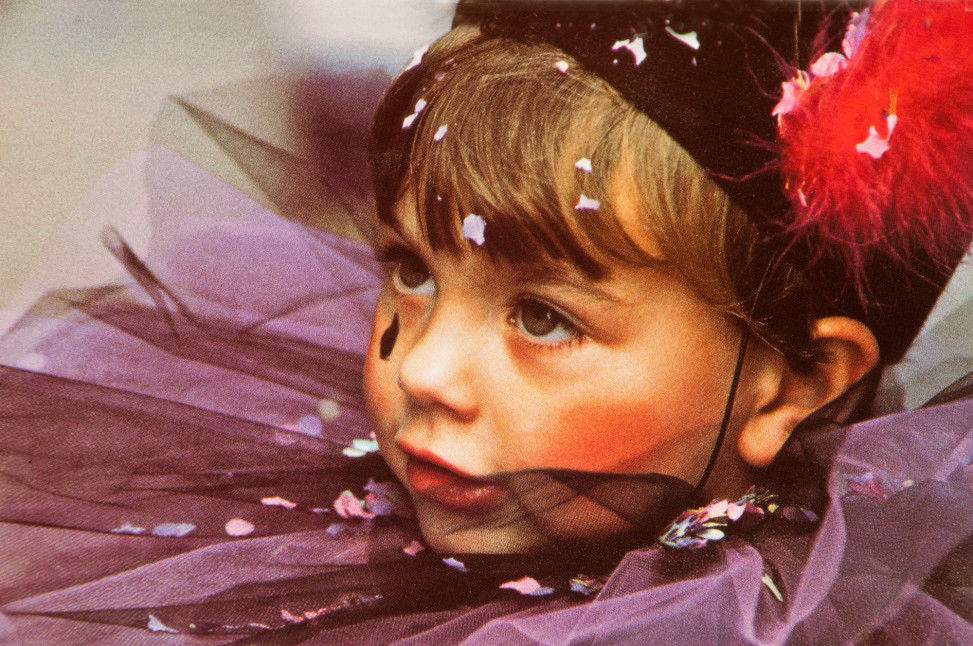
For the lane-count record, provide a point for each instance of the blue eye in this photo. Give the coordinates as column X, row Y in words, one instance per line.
column 541, row 322
column 410, row 274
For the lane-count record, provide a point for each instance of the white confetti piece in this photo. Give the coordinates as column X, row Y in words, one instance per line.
column 587, row 203
column 473, row 228
column 277, row 501
column 409, row 120
column 328, row 410
column 239, row 527
column 413, row 548
column 310, row 425
column 155, row 625
column 350, row 452
column 583, row 164
column 688, row 38
column 774, row 590
column 455, row 564
column 829, row 64
column 416, row 58
column 34, row 361
column 527, row 586
column 635, row 45
column 128, row 528
column 874, row 145
column 440, row 133
column 173, row 530
column 562, row 67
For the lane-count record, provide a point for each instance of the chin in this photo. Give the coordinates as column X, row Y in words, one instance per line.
column 437, row 525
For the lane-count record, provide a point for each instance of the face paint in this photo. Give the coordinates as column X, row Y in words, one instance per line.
column 389, row 336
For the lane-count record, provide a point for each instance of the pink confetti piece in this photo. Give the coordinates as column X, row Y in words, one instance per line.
column 409, row 120
column 562, row 67
column 413, row 548
column 792, row 91
column 310, row 425
column 635, row 45
column 328, row 410
column 735, row 510
column 277, row 501
column 587, row 203
column 688, row 38
column 287, row 615
column 829, row 64
column 416, row 58
column 440, row 133
column 155, row 625
column 474, row 228
column 874, row 145
column 527, row 586
column 583, row 164
column 239, row 527
column 455, row 564
column 173, row 530
column 128, row 528
column 349, row 506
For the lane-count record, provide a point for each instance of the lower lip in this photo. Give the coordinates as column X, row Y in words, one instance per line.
column 449, row 489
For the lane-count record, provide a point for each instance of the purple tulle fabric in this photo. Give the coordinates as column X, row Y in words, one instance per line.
column 167, row 478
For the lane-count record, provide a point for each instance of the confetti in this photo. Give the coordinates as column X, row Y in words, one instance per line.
column 586, row 585
column 409, row 120
column 328, row 410
column 440, row 133
column 360, row 447
column 774, row 590
column 587, row 203
column 416, row 58
column 310, row 425
column 277, row 501
column 173, row 530
column 634, row 45
column 875, row 145
column 287, row 615
column 456, row 565
column 792, row 91
column 583, row 164
column 155, row 625
column 239, row 527
column 689, row 38
column 128, row 528
column 527, row 586
column 413, row 548
column 829, row 64
column 473, row 228
column 561, row 66
column 349, row 506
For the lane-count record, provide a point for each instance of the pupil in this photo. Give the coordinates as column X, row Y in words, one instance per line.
column 412, row 272
column 537, row 319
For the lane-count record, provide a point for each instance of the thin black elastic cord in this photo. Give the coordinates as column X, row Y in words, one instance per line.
column 744, row 338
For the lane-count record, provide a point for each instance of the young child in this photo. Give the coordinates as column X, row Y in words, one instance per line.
column 639, row 256
column 598, row 261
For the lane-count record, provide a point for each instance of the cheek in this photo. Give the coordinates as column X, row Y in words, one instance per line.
column 381, row 392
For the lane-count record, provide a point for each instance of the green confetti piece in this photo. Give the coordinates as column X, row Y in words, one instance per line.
column 774, row 590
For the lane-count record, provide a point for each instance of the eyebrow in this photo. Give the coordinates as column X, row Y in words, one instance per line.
column 547, row 274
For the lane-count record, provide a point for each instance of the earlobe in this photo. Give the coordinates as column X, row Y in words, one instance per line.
column 785, row 396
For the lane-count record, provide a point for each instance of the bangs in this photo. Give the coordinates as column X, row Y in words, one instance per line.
column 499, row 133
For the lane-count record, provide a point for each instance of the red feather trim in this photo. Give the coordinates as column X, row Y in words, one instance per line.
column 916, row 62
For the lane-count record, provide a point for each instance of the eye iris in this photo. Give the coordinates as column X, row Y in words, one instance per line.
column 412, row 272
column 538, row 319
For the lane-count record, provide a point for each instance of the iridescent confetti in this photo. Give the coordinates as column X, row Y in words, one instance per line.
column 473, row 228
column 413, row 548
column 635, row 45
column 360, row 447
column 583, row 164
column 688, row 38
column 416, row 58
column 173, row 530
column 527, row 586
column 349, row 506
column 455, row 564
column 587, row 203
column 239, row 527
column 440, row 133
column 328, row 410
column 562, row 67
column 310, row 425
column 128, row 528
column 155, row 625
column 277, row 501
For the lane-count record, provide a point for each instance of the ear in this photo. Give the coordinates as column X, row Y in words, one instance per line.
column 785, row 396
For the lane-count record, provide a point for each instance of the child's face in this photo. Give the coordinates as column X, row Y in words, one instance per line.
column 485, row 368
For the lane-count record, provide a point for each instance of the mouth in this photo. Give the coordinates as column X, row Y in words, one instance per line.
column 435, row 479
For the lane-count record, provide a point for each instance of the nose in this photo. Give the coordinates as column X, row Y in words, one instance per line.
column 437, row 371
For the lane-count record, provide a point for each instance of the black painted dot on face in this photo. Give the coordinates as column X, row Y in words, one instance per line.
column 387, row 342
